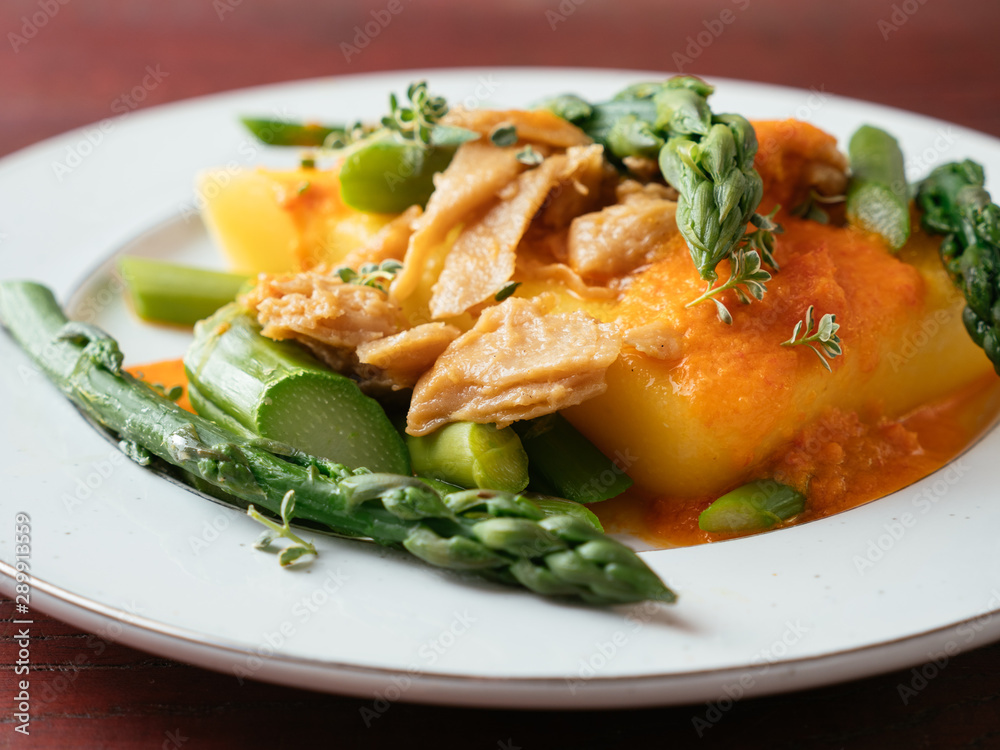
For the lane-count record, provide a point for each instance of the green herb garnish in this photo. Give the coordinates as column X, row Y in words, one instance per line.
column 416, row 121
column 745, row 276
column 504, row 135
column 299, row 547
column 506, row 290
column 376, row 275
column 529, row 156
column 825, row 341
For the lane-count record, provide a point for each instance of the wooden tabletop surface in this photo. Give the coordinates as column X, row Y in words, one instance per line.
column 63, row 64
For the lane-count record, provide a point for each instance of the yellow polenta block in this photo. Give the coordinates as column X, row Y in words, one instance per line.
column 275, row 221
column 701, row 420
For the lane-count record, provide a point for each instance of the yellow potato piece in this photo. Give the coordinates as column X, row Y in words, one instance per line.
column 271, row 221
column 702, row 421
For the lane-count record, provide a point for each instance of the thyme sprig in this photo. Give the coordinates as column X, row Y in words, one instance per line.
column 299, row 547
column 376, row 275
column 824, row 341
column 529, row 157
column 761, row 238
column 745, row 276
column 506, row 290
column 417, row 121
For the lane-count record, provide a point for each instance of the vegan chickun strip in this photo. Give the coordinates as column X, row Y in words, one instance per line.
column 483, row 257
column 518, row 362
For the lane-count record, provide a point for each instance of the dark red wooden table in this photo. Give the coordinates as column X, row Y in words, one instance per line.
column 64, row 63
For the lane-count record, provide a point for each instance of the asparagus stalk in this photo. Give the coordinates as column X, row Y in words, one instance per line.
column 385, row 169
column 568, row 463
column 708, row 158
column 471, row 455
column 551, row 506
column 497, row 534
column 955, row 203
column 388, row 173
column 285, row 133
column 877, row 199
column 752, row 507
column 278, row 391
column 170, row 293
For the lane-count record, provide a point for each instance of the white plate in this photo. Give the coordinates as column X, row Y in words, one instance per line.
column 120, row 552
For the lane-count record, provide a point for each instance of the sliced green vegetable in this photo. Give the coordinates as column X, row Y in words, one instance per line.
column 278, row 391
column 389, row 174
column 170, row 293
column 568, row 463
column 284, row 133
column 471, row 455
column 569, row 107
column 552, row 506
column 955, row 203
column 85, row 364
column 752, row 507
column 877, row 198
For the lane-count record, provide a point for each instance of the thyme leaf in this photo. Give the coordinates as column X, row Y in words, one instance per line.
column 746, row 279
column 299, row 547
column 504, row 135
column 416, row 121
column 824, row 340
column 375, row 275
column 506, row 290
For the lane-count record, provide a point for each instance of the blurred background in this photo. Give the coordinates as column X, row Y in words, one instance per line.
column 65, row 63
column 69, row 63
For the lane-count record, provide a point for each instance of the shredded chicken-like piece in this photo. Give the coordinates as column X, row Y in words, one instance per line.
column 536, row 126
column 518, row 362
column 389, row 243
column 657, row 339
column 473, row 178
column 407, row 355
column 532, row 267
column 482, row 258
column 622, row 237
column 584, row 186
column 642, row 167
column 795, row 158
column 828, row 178
column 316, row 307
column 629, row 191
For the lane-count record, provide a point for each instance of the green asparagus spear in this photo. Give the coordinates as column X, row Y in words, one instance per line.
column 708, row 158
column 560, row 506
column 752, row 507
column 169, row 293
column 277, row 390
column 471, row 455
column 877, row 199
column 385, row 169
column 388, row 174
column 955, row 203
column 497, row 534
column 568, row 463
column 284, row 133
